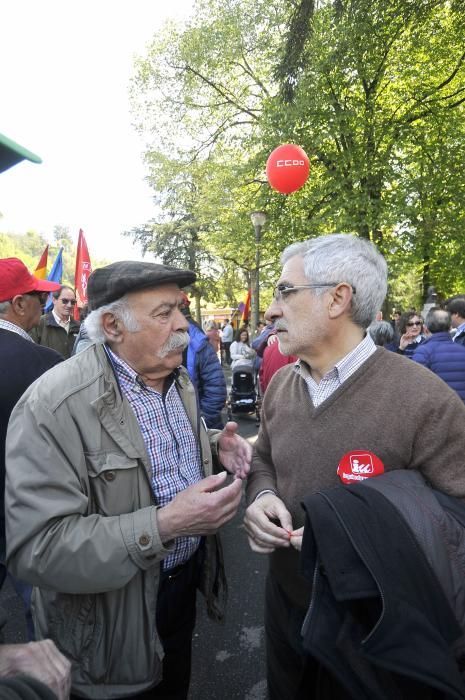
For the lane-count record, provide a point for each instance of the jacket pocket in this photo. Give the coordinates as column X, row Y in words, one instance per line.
column 128, row 650
column 72, row 625
column 114, row 481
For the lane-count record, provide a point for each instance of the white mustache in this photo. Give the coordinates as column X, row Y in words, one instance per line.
column 278, row 326
column 178, row 339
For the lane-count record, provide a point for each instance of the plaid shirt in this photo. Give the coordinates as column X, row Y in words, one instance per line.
column 171, row 444
column 341, row 371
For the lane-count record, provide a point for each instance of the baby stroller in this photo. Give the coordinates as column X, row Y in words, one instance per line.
column 244, row 397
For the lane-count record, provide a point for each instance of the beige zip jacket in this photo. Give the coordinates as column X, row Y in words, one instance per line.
column 81, row 522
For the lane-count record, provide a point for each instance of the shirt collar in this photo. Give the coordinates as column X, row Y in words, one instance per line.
column 349, row 364
column 63, row 324
column 8, row 326
column 129, row 376
column 124, row 371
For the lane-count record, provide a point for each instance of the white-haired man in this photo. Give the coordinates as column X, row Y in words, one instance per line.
column 112, row 503
column 345, row 411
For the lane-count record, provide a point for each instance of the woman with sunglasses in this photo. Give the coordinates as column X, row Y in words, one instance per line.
column 411, row 333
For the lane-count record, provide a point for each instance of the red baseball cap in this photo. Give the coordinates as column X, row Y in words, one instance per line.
column 16, row 279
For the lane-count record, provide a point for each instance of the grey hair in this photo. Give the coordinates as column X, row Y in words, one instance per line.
column 4, row 306
column 120, row 309
column 343, row 257
column 381, row 331
column 438, row 320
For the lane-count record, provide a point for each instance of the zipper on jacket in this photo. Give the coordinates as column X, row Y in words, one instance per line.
column 309, row 613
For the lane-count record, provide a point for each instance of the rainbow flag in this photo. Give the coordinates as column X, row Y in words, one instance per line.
column 41, row 270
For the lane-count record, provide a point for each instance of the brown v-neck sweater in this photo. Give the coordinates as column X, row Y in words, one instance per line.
column 392, row 407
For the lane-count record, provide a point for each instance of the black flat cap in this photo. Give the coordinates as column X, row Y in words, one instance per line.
column 112, row 282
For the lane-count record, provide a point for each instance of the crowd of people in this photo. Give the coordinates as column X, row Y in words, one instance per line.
column 119, row 470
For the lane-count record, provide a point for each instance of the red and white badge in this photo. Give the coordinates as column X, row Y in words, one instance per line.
column 359, row 465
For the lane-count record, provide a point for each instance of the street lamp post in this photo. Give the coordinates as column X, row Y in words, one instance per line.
column 258, row 219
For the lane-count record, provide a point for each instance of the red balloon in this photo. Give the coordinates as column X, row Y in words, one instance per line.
column 287, row 168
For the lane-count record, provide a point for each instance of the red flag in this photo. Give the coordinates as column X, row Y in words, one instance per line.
column 41, row 269
column 81, row 275
column 246, row 309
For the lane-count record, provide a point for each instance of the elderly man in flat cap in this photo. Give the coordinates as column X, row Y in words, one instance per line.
column 21, row 362
column 113, row 503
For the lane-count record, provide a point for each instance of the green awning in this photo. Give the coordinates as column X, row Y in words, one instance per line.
column 12, row 153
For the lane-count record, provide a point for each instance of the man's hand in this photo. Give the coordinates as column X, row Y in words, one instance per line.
column 296, row 538
column 268, row 524
column 201, row 509
column 234, row 452
column 42, row 661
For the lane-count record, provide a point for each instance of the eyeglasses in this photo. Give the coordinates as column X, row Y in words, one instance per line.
column 414, row 323
column 68, row 301
column 282, row 290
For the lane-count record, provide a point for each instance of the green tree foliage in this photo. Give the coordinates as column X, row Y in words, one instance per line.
column 29, row 247
column 374, row 91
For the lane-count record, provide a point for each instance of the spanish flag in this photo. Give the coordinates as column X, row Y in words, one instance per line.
column 41, row 270
column 246, row 307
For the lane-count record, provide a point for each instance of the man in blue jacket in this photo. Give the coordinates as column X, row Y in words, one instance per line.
column 440, row 354
column 205, row 372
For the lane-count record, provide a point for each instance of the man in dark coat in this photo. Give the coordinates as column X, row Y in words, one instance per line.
column 57, row 329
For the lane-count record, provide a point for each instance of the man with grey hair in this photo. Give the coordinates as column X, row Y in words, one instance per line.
column 440, row 354
column 382, row 333
column 113, row 506
column 332, row 417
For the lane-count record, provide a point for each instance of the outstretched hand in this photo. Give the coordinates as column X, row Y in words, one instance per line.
column 234, row 452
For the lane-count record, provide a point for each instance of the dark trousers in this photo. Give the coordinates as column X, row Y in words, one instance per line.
column 284, row 653
column 176, row 611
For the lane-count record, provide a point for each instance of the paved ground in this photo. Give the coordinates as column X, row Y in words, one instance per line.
column 229, row 659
